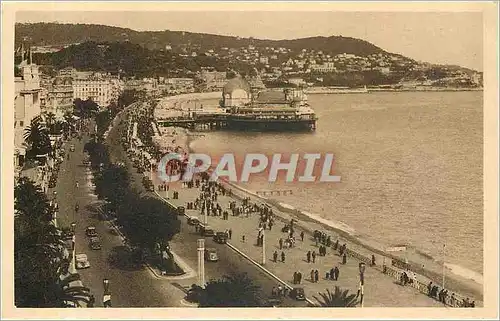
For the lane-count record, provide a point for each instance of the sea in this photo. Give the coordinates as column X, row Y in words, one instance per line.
column 411, row 168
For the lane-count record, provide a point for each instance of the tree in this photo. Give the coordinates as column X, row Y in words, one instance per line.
column 85, row 108
column 112, row 185
column 148, row 221
column 130, row 96
column 50, row 120
column 339, row 298
column 230, row 291
column 66, row 293
column 37, row 137
column 38, row 248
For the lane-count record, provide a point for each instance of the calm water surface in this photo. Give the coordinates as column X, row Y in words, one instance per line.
column 411, row 168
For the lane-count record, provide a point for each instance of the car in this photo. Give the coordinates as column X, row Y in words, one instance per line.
column 72, row 148
column 67, row 234
column 95, row 243
column 211, row 255
column 220, row 237
column 206, row 230
column 298, row 294
column 193, row 220
column 82, row 261
column 91, row 231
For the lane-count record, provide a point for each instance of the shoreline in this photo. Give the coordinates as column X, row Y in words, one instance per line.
column 455, row 275
column 326, row 91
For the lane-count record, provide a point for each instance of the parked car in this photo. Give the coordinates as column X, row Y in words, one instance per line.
column 82, row 261
column 220, row 237
column 206, row 230
column 193, row 220
column 211, row 255
column 298, row 294
column 95, row 243
column 91, row 231
column 67, row 234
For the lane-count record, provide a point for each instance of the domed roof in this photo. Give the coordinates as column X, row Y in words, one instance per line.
column 236, row 83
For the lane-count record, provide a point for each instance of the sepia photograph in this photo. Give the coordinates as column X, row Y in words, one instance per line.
column 264, row 156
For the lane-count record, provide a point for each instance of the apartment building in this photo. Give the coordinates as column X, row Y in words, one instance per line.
column 101, row 88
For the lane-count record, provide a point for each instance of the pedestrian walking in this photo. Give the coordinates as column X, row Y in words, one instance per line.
column 275, row 256
column 332, row 274
column 373, row 260
column 312, row 276
column 299, row 277
column 294, row 277
column 316, row 276
column 302, row 236
column 313, row 256
column 281, row 243
column 308, row 256
column 336, row 272
column 344, row 259
column 283, row 257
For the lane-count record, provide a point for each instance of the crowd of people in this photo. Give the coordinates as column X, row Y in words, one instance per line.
column 208, row 203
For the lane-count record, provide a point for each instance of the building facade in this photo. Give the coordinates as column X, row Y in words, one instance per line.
column 103, row 89
column 26, row 106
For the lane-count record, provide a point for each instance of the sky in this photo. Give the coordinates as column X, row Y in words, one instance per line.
column 435, row 37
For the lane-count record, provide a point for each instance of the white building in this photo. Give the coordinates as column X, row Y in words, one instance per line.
column 59, row 98
column 102, row 89
column 26, row 106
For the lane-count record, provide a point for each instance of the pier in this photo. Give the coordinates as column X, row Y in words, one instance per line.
column 197, row 122
column 216, row 120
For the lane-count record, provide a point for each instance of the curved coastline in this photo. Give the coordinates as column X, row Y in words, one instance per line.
column 466, row 281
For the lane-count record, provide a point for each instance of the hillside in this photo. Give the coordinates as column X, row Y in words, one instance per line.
column 40, row 34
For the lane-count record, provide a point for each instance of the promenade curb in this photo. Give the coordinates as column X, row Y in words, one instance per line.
column 234, row 248
column 244, row 255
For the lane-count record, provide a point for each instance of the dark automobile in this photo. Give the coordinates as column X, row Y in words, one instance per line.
column 193, row 221
column 91, row 231
column 220, row 237
column 206, row 230
column 67, row 234
column 298, row 294
column 95, row 243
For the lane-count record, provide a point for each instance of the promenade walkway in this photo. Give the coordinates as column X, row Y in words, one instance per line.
column 380, row 290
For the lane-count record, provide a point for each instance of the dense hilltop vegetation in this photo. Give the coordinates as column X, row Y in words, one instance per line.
column 39, row 34
column 131, row 60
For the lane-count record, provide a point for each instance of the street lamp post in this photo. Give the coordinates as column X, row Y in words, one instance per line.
column 106, row 298
column 263, row 247
column 73, row 245
column 362, row 267
column 201, row 262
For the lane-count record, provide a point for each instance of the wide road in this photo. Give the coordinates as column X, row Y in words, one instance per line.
column 136, row 286
column 130, row 287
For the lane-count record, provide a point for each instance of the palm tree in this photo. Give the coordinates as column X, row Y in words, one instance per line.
column 37, row 137
column 340, row 299
column 67, row 293
column 50, row 120
column 230, row 291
